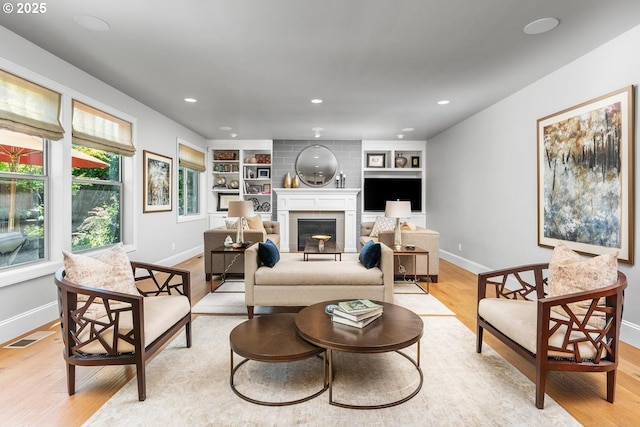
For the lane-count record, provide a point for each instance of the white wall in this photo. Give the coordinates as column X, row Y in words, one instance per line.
column 482, row 179
column 31, row 303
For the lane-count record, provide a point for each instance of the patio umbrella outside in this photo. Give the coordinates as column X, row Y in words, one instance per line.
column 20, row 149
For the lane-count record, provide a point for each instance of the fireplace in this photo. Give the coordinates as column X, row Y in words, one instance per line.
column 317, row 203
column 308, row 227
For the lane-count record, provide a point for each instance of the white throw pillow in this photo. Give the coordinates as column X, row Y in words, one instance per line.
column 383, row 223
column 110, row 270
column 231, row 224
column 569, row 273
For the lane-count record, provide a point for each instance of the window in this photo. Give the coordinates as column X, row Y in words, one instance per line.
column 100, row 140
column 29, row 117
column 22, row 198
column 191, row 166
column 96, row 198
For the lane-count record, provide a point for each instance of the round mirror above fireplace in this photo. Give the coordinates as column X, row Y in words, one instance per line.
column 316, row 166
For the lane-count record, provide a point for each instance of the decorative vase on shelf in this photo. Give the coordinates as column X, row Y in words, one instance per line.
column 401, row 161
column 287, row 180
column 296, row 182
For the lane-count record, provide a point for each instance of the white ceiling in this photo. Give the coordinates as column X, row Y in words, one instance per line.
column 379, row 65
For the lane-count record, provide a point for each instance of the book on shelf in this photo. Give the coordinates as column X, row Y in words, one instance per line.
column 360, row 324
column 357, row 317
column 358, row 306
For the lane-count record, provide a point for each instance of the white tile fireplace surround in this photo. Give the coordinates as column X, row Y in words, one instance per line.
column 339, row 203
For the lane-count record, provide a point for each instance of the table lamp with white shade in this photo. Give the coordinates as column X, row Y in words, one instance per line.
column 240, row 209
column 397, row 209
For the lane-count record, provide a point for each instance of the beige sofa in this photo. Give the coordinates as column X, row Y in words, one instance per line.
column 295, row 282
column 214, row 238
column 420, row 237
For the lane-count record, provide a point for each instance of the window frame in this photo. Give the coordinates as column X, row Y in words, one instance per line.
column 201, row 185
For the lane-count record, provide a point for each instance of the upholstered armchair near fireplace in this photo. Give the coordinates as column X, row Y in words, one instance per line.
column 415, row 235
column 214, row 238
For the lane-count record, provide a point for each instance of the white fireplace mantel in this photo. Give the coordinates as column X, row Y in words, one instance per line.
column 318, row 200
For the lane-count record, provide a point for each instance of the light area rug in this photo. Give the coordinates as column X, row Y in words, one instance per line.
column 461, row 388
column 229, row 301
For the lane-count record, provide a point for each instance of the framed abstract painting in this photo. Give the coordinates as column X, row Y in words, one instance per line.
column 158, row 171
column 585, row 176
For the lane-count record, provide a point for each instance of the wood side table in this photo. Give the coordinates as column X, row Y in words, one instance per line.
column 414, row 252
column 225, row 251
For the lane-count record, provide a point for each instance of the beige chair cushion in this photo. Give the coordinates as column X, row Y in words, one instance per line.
column 569, row 273
column 518, row 320
column 160, row 313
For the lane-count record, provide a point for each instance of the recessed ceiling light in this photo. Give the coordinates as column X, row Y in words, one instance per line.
column 443, row 102
column 317, row 129
column 317, row 135
column 91, row 23
column 540, row 26
column 316, row 101
column 225, row 128
column 407, row 130
column 233, row 135
column 190, row 100
column 400, row 136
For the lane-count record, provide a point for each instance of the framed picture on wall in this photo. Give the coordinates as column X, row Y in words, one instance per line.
column 225, row 198
column 585, row 176
column 157, row 185
column 375, row 160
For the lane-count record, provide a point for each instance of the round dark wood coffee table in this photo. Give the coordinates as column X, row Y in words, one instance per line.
column 395, row 330
column 272, row 338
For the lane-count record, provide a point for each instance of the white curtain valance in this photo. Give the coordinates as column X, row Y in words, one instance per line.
column 191, row 158
column 29, row 108
column 97, row 129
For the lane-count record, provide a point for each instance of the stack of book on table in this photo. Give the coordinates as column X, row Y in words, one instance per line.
column 357, row 313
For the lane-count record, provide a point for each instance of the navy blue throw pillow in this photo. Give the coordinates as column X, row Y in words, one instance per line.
column 370, row 254
column 268, row 253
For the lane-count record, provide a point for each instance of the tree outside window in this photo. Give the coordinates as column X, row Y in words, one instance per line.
column 188, row 191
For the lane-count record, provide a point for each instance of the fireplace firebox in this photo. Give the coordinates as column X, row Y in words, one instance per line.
column 312, row 226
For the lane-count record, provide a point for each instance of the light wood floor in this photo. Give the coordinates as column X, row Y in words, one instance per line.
column 33, row 384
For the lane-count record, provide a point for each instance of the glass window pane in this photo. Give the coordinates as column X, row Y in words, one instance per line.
column 193, row 190
column 95, row 215
column 188, row 191
column 89, row 163
column 22, row 214
column 20, row 153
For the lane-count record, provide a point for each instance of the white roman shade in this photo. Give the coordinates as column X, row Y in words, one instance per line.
column 29, row 108
column 97, row 129
column 191, row 158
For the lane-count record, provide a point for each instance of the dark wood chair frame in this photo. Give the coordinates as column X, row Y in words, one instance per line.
column 156, row 280
column 608, row 300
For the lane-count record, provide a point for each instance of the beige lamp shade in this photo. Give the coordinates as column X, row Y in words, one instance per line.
column 240, row 209
column 397, row 209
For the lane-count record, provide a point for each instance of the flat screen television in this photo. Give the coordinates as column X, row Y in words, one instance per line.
column 378, row 190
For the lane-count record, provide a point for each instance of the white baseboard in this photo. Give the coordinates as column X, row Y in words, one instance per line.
column 181, row 257
column 629, row 332
column 25, row 322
